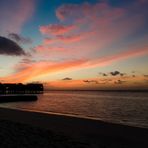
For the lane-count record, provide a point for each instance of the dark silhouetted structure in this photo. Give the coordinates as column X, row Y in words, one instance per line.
column 17, row 98
column 20, row 88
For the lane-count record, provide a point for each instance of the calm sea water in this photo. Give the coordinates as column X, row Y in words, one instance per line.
column 130, row 108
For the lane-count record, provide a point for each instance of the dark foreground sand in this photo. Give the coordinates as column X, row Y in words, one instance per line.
column 25, row 129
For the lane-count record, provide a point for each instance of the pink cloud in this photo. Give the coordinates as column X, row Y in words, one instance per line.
column 47, row 51
column 100, row 16
column 70, row 38
column 56, row 29
column 17, row 13
column 66, row 11
column 65, row 38
column 76, row 11
column 97, row 25
column 47, row 41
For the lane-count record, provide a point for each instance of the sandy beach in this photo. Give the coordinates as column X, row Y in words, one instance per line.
column 19, row 128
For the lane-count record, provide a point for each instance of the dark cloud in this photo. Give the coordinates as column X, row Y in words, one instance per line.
column 67, row 79
column 103, row 74
column 90, row 81
column 19, row 38
column 27, row 61
column 122, row 74
column 115, row 73
column 145, row 76
column 9, row 47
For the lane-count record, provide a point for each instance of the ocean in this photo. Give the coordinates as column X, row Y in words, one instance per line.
column 128, row 108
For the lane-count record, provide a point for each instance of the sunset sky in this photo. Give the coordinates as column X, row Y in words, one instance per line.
column 75, row 44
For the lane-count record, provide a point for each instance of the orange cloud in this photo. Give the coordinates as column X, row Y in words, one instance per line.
column 41, row 68
column 46, row 68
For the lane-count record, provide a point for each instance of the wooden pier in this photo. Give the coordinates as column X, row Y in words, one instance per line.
column 31, row 88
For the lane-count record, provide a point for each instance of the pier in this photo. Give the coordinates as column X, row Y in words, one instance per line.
column 31, row 88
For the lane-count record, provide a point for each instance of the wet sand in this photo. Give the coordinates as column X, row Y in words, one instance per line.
column 20, row 128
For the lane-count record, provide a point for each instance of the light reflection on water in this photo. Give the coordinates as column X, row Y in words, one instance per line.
column 119, row 107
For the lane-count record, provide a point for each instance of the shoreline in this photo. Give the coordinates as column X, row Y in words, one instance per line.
column 78, row 116
column 79, row 128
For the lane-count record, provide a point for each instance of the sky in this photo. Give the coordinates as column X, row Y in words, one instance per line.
column 75, row 44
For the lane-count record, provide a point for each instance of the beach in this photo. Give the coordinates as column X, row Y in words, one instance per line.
column 18, row 135
column 21, row 128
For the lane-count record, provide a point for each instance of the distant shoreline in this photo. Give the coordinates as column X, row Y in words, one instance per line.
column 103, row 90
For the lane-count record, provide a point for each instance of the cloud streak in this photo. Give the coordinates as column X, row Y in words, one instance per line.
column 104, row 61
column 39, row 69
column 18, row 12
column 20, row 39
